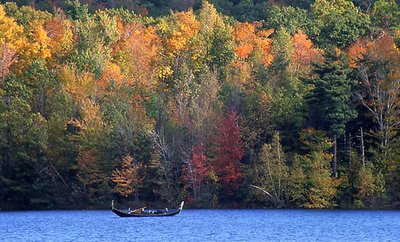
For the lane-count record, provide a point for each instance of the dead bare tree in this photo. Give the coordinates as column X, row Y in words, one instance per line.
column 380, row 96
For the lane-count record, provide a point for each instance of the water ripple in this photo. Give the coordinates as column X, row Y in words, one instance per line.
column 202, row 225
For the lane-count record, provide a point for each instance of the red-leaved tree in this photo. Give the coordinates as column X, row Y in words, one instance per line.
column 228, row 153
column 196, row 169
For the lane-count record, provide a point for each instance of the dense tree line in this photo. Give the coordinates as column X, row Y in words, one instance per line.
column 240, row 104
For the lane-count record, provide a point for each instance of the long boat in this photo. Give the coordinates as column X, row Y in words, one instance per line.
column 146, row 212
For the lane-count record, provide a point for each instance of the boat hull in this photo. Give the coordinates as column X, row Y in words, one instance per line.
column 122, row 213
column 146, row 212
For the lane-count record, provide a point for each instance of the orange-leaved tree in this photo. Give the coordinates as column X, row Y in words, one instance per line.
column 59, row 30
column 137, row 53
column 252, row 48
column 251, row 39
column 127, row 178
column 186, row 26
column 356, row 51
column 304, row 52
column 379, row 75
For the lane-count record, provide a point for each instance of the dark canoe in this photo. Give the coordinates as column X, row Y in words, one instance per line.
column 145, row 212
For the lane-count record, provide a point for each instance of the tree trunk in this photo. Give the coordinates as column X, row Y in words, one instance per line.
column 362, row 147
column 334, row 165
column 6, row 166
column 136, row 193
column 349, row 150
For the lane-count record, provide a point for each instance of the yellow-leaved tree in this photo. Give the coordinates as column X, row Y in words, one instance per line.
column 127, row 178
column 11, row 40
column 137, row 53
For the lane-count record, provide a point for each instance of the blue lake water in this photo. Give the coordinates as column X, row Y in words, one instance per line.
column 203, row 225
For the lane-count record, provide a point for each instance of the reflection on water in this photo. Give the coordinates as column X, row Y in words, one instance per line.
column 203, row 225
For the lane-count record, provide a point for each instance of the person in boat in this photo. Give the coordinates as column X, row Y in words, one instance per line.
column 139, row 210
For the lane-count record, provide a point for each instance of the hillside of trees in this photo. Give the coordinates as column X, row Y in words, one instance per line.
column 292, row 104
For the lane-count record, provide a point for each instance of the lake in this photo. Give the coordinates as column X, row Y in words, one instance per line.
column 203, row 225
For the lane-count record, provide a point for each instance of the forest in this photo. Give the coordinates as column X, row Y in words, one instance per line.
column 223, row 104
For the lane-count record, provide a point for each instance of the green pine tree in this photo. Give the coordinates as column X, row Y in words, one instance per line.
column 329, row 99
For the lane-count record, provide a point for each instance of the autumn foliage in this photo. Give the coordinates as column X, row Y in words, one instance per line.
column 236, row 103
column 127, row 177
column 197, row 169
column 228, row 153
column 305, row 52
column 252, row 39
